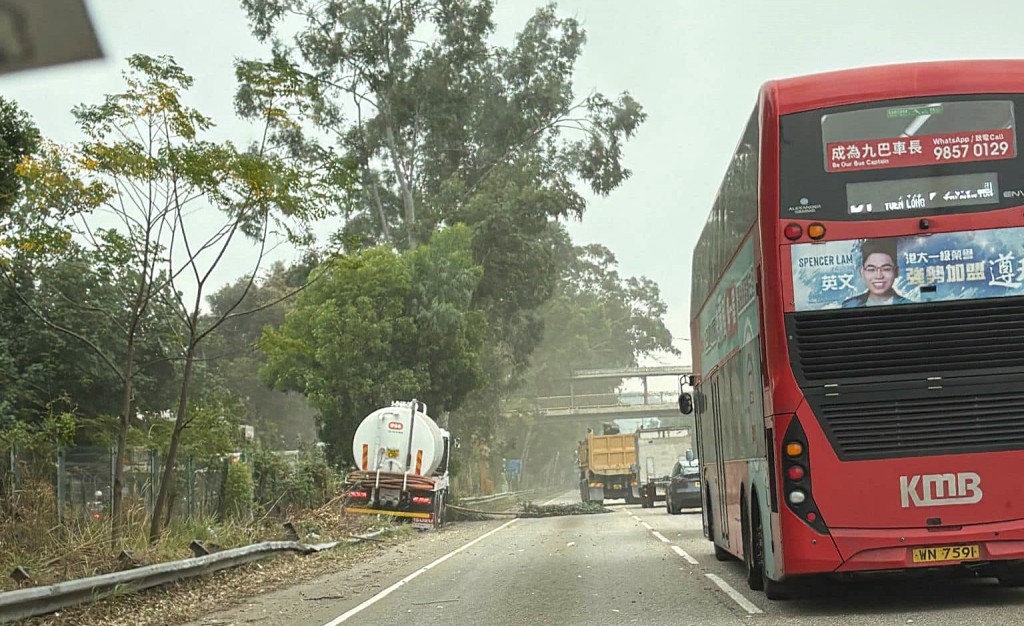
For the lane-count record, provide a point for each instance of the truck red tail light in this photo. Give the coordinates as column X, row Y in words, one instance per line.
column 360, row 495
column 421, row 500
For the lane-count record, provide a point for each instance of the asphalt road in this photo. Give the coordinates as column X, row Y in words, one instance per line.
column 631, row 566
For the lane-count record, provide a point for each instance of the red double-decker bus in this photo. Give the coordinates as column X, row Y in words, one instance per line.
column 858, row 323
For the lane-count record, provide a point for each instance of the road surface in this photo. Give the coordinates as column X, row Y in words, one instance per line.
column 631, row 566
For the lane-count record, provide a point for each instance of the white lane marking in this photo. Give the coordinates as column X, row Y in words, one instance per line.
column 647, row 526
column 637, row 518
column 686, row 556
column 662, row 538
column 737, row 597
column 385, row 593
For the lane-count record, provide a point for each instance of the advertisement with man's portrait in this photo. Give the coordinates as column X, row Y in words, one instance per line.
column 905, row 270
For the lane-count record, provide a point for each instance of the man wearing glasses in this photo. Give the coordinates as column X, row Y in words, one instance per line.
column 879, row 270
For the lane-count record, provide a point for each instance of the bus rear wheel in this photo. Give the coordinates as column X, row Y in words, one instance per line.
column 773, row 589
column 755, row 572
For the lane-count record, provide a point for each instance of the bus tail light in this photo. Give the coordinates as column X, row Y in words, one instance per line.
column 796, row 477
column 793, row 231
column 816, row 231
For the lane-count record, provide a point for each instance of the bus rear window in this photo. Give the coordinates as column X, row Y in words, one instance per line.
column 916, row 135
column 893, row 159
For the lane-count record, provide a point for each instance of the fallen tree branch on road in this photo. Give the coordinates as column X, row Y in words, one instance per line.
column 530, row 510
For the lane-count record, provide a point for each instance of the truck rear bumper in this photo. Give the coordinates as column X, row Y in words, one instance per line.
column 419, row 519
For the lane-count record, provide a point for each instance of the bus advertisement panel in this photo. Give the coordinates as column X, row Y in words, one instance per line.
column 907, row 270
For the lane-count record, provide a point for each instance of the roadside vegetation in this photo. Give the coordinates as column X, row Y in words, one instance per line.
column 163, row 380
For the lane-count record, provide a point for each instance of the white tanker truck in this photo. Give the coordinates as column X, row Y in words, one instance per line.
column 402, row 459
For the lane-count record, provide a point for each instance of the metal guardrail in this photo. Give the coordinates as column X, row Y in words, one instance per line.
column 15, row 605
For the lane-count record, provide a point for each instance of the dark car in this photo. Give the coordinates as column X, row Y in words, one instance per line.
column 684, row 486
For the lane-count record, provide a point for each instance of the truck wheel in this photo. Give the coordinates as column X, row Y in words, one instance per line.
column 442, row 507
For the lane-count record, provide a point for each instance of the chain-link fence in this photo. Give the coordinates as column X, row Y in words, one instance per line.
column 82, row 480
column 78, row 483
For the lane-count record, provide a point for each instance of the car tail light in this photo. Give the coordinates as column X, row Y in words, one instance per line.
column 793, row 231
column 358, row 494
column 797, row 475
column 421, row 500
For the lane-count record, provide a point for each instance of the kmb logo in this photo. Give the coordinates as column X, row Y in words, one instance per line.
column 940, row 489
column 395, row 425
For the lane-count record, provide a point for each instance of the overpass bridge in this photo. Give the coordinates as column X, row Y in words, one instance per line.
column 595, row 408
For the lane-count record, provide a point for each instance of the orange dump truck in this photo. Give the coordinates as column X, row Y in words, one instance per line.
column 608, row 468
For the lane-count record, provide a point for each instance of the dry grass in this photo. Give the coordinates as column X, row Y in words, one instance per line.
column 31, row 538
column 191, row 599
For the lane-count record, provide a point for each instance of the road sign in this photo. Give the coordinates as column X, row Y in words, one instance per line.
column 40, row 33
column 514, row 466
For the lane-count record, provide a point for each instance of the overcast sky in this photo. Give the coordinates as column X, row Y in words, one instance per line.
column 695, row 65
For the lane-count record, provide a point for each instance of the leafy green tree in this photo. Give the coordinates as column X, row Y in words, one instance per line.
column 43, row 369
column 453, row 129
column 260, row 196
column 71, row 196
column 19, row 138
column 129, row 194
column 234, row 356
column 377, row 326
column 596, row 319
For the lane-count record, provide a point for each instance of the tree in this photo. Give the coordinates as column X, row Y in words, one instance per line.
column 446, row 131
column 129, row 194
column 115, row 173
column 235, row 358
column 377, row 326
column 43, row 369
column 257, row 194
column 596, row 319
column 19, row 138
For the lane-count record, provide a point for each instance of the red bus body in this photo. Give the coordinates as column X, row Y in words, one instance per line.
column 908, row 414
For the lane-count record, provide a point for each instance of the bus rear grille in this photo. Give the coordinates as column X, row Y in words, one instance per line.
column 955, row 422
column 914, row 380
column 882, row 342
